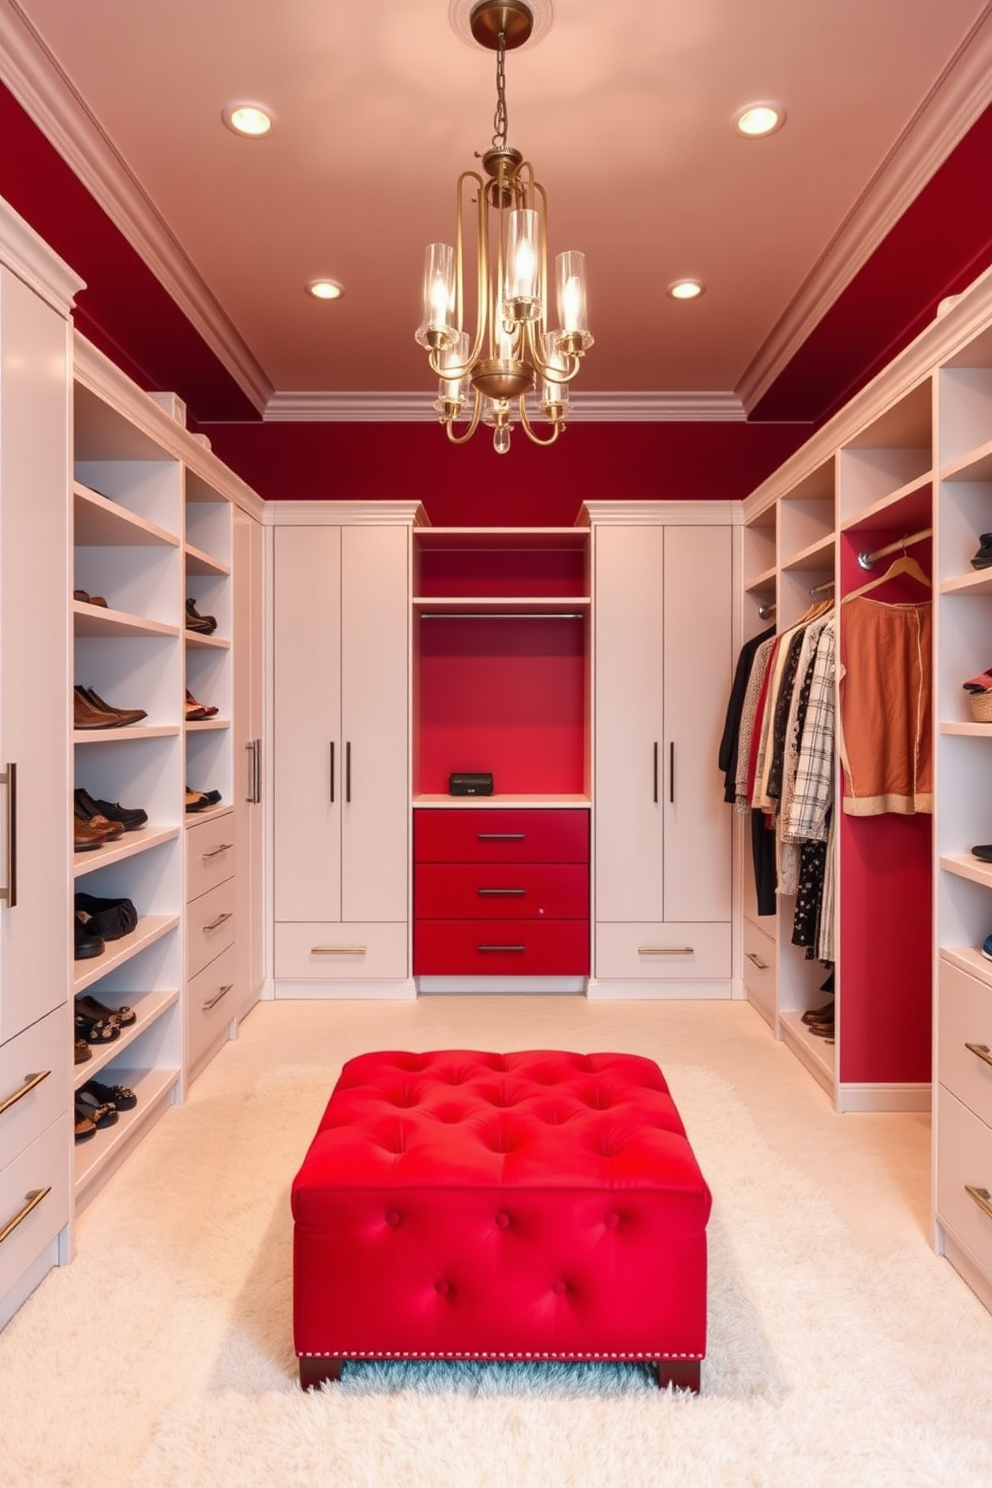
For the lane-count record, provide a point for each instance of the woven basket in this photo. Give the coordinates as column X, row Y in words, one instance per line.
column 981, row 706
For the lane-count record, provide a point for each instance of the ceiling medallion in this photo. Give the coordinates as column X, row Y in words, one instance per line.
column 511, row 351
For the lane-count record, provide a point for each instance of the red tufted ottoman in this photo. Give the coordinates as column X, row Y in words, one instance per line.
column 464, row 1205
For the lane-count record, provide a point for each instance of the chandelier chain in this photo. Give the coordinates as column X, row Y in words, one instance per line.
column 500, row 120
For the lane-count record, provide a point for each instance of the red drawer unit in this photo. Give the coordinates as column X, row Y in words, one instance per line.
column 501, row 892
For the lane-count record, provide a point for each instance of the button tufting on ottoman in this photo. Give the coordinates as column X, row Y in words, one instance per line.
column 468, row 1205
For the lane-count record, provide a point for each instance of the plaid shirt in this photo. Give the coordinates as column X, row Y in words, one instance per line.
column 813, row 793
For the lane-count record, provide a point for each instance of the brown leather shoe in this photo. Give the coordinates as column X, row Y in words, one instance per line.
column 86, row 835
column 125, row 715
column 86, row 716
column 94, row 825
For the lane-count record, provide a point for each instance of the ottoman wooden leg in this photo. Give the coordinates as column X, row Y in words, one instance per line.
column 318, row 1370
column 683, row 1374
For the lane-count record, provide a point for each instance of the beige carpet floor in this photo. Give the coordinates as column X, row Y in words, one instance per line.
column 841, row 1349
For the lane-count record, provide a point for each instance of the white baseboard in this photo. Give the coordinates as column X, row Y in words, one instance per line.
column 345, row 991
column 883, row 1097
column 656, row 990
column 544, row 986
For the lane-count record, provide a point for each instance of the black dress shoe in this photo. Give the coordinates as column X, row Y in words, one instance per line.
column 130, row 817
column 983, row 852
column 109, row 918
column 87, row 942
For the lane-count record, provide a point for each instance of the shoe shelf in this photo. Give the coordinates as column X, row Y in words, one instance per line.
column 121, row 735
column 206, row 642
column 969, row 959
column 149, row 1007
column 211, row 813
column 94, row 620
column 150, row 928
column 965, row 866
column 908, row 507
column 96, row 1159
column 128, row 846
column 818, row 555
column 199, row 562
column 974, row 466
column 966, row 730
column 815, row 1053
column 204, row 725
column 101, row 523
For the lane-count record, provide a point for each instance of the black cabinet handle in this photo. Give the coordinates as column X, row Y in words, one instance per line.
column 501, row 836
column 656, row 773
column 518, row 948
column 505, row 893
column 332, row 772
column 347, row 772
column 671, row 772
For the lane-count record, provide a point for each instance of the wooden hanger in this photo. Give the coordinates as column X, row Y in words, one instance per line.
column 901, row 565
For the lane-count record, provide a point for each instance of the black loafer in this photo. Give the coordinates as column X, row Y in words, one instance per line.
column 983, row 851
column 87, row 942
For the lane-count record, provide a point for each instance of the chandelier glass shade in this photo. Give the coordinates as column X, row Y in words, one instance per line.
column 490, row 343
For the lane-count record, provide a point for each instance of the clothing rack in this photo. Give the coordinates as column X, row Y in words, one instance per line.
column 822, row 588
column 867, row 560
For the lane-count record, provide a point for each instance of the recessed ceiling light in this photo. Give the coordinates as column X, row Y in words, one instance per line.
column 253, row 120
column 757, row 119
column 324, row 289
column 686, row 289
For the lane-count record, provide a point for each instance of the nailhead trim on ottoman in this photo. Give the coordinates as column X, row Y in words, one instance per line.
column 468, row 1205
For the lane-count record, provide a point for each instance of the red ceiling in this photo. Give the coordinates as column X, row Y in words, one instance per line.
column 941, row 243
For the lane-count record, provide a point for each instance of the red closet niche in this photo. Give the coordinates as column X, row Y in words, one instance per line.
column 501, row 659
column 886, row 900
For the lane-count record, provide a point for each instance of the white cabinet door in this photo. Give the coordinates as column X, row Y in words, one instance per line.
column 628, row 609
column 375, row 620
column 697, row 671
column 34, row 682
column 308, row 763
column 249, row 759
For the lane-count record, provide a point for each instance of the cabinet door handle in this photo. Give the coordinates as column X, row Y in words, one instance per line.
column 218, row 921
column 981, row 1197
column 33, row 1199
column 338, row 950
column 30, row 1081
column 501, row 836
column 666, row 950
column 981, row 1051
column 671, row 772
column 502, row 893
column 655, row 769
column 761, row 965
column 517, row 948
column 216, row 851
column 347, row 772
column 257, row 782
column 9, row 778
column 332, row 772
column 212, row 1002
column 250, row 747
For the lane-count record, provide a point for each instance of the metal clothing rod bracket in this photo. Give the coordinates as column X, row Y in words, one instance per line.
column 766, row 611
column 867, row 560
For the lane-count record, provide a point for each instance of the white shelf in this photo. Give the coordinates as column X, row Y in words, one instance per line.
column 965, row 866
column 815, row 1053
column 974, row 466
column 819, row 554
column 101, row 523
column 118, row 735
column 124, row 847
column 223, row 808
column 765, row 580
column 206, row 642
column 502, row 802
column 100, row 620
column 979, row 582
column 901, row 510
column 967, row 729
column 204, row 725
column 509, row 604
column 150, row 928
column 149, row 1007
column 968, row 959
column 200, row 562
column 100, row 1155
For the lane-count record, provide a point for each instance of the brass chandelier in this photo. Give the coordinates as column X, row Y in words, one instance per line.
column 511, row 351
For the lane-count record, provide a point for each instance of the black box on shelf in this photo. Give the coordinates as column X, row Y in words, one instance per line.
column 470, row 783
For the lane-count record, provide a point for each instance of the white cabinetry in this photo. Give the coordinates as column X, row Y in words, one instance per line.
column 35, row 914
column 249, row 758
column 662, row 587
column 342, row 753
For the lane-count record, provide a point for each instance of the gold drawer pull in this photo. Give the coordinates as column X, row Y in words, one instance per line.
column 338, row 950
column 224, row 847
column 981, row 1197
column 33, row 1198
column 30, row 1081
column 761, row 965
column 213, row 1001
column 981, row 1050
column 666, row 950
column 218, row 921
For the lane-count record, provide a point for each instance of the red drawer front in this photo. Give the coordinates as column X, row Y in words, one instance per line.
column 496, row 836
column 475, row 891
column 501, row 948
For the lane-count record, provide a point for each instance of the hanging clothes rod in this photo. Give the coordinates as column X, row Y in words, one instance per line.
column 867, row 560
column 822, row 588
column 766, row 611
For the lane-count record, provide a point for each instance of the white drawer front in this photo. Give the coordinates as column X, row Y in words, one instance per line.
column 42, row 1049
column 759, row 967
column 653, row 952
column 45, row 1164
column 210, row 854
column 209, row 926
column 964, row 1158
column 210, row 1005
column 965, row 1018
column 338, row 952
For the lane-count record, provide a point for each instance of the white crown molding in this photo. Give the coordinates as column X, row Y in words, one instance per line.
column 46, row 93
column 957, row 99
column 30, row 259
column 603, row 408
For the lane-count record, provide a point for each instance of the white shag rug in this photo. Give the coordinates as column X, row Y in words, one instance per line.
column 163, row 1357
